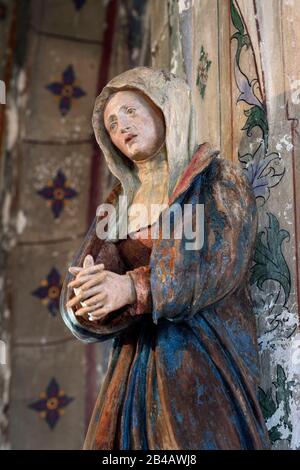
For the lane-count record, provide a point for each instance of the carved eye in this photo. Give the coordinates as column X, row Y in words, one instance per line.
column 113, row 126
column 130, row 111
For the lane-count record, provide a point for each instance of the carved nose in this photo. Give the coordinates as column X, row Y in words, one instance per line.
column 125, row 129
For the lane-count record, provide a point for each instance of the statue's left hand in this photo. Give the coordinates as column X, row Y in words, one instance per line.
column 100, row 291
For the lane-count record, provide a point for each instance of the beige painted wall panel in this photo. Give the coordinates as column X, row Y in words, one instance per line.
column 206, row 35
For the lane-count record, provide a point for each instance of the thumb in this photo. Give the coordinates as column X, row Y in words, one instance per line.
column 88, row 261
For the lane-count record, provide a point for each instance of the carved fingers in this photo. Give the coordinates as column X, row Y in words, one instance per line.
column 99, row 292
column 98, row 313
column 79, row 272
column 87, row 280
column 94, row 274
column 85, row 294
column 92, row 304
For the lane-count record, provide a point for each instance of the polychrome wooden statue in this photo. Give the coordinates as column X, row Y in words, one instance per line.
column 166, row 276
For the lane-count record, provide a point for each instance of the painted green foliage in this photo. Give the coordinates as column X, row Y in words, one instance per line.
column 269, row 405
column 256, row 115
column 242, row 38
column 269, row 260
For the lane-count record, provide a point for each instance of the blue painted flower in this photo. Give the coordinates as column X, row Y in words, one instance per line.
column 79, row 4
column 58, row 193
column 66, row 90
column 49, row 291
column 52, row 403
column 263, row 171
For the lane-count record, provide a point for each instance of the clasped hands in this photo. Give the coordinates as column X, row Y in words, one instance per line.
column 98, row 291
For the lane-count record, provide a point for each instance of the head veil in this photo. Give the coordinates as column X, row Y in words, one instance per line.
column 172, row 95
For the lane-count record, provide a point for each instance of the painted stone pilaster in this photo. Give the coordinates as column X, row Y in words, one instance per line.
column 271, row 161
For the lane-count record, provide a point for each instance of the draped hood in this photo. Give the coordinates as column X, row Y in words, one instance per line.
column 173, row 97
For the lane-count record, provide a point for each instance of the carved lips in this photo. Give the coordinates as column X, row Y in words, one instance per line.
column 129, row 138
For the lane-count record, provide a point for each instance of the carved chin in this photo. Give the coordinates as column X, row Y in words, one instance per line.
column 134, row 150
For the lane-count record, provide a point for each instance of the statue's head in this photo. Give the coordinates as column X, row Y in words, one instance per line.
column 155, row 107
column 136, row 126
column 137, row 113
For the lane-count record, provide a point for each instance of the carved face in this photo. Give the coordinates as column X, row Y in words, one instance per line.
column 135, row 124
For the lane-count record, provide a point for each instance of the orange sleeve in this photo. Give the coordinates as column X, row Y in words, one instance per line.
column 141, row 280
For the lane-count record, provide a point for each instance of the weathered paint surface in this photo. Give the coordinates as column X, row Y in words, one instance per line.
column 184, row 373
column 250, row 110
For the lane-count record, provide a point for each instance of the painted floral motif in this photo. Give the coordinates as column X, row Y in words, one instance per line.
column 256, row 115
column 269, row 260
column 79, row 4
column 277, row 410
column 202, row 75
column 263, row 172
column 270, row 275
column 49, row 291
column 51, row 404
column 66, row 90
column 243, row 39
column 57, row 193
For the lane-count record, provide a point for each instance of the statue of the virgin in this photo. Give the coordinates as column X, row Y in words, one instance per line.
column 183, row 369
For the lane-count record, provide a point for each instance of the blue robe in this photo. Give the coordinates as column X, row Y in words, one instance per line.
column 184, row 367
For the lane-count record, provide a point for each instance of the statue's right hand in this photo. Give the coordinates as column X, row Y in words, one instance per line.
column 83, row 274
